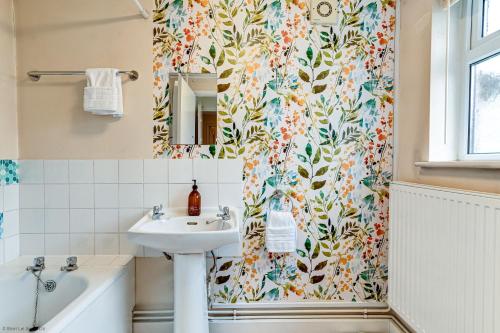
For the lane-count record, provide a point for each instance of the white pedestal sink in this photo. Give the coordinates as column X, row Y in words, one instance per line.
column 188, row 238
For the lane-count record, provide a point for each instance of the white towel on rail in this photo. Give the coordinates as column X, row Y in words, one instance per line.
column 103, row 93
column 281, row 232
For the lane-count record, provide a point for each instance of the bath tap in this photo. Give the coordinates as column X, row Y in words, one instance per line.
column 157, row 212
column 223, row 216
column 38, row 265
column 70, row 264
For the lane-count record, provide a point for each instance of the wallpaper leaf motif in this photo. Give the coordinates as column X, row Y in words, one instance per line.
column 310, row 109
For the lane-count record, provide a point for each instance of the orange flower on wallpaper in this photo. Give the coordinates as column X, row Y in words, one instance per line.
column 249, row 260
column 203, row 3
column 389, row 100
column 251, row 68
column 296, row 20
column 250, row 164
column 299, row 101
column 347, row 165
column 157, row 81
column 349, row 203
column 381, row 134
column 296, row 290
column 299, row 4
column 299, row 197
column 391, row 119
column 348, row 69
column 379, row 230
column 157, row 66
column 381, row 38
column 286, row 37
column 345, row 259
column 189, row 36
column 286, row 135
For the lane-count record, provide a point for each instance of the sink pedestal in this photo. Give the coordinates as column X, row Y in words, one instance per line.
column 190, row 295
column 189, row 238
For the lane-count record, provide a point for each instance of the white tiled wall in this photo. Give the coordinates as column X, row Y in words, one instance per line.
column 9, row 205
column 86, row 206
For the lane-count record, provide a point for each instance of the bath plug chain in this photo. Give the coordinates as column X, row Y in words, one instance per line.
column 49, row 286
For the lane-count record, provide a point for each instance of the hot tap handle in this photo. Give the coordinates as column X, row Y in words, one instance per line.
column 71, row 261
column 39, row 261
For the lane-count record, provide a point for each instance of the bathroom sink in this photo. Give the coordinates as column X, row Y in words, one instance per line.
column 175, row 232
column 188, row 238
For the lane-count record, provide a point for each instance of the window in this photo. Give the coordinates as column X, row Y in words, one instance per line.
column 491, row 16
column 474, row 31
column 484, row 132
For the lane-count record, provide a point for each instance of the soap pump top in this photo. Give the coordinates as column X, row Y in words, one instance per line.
column 194, row 201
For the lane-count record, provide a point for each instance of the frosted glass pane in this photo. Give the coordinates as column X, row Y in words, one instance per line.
column 491, row 17
column 484, row 135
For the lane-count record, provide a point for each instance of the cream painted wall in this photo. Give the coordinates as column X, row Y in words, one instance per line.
column 74, row 35
column 8, row 100
column 154, row 283
column 413, row 107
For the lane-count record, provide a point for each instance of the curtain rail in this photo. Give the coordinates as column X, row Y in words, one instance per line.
column 143, row 11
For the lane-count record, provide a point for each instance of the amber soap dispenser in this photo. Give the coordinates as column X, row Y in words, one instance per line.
column 194, row 201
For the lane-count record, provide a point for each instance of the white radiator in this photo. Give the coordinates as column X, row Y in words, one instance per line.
column 444, row 259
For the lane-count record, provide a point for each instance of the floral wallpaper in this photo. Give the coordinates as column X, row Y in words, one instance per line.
column 310, row 109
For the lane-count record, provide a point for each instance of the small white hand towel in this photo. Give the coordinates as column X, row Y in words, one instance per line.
column 103, row 93
column 281, row 232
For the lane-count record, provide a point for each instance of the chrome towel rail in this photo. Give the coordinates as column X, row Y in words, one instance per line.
column 35, row 75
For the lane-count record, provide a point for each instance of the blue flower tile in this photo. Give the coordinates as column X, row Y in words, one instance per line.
column 1, row 225
column 9, row 172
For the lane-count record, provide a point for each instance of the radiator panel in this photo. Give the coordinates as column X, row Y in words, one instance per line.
column 444, row 259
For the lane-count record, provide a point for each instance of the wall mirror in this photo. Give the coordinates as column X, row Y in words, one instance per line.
column 193, row 107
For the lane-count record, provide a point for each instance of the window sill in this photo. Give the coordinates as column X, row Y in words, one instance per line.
column 485, row 165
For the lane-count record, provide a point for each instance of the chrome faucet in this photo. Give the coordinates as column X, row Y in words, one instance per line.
column 70, row 264
column 222, row 216
column 157, row 212
column 38, row 265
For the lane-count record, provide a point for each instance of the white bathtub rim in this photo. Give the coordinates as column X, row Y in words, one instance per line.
column 101, row 277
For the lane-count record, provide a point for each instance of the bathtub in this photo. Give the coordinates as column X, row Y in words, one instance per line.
column 97, row 297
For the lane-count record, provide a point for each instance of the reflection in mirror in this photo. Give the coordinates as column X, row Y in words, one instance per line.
column 193, row 107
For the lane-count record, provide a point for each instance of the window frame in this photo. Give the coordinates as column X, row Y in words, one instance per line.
column 477, row 48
